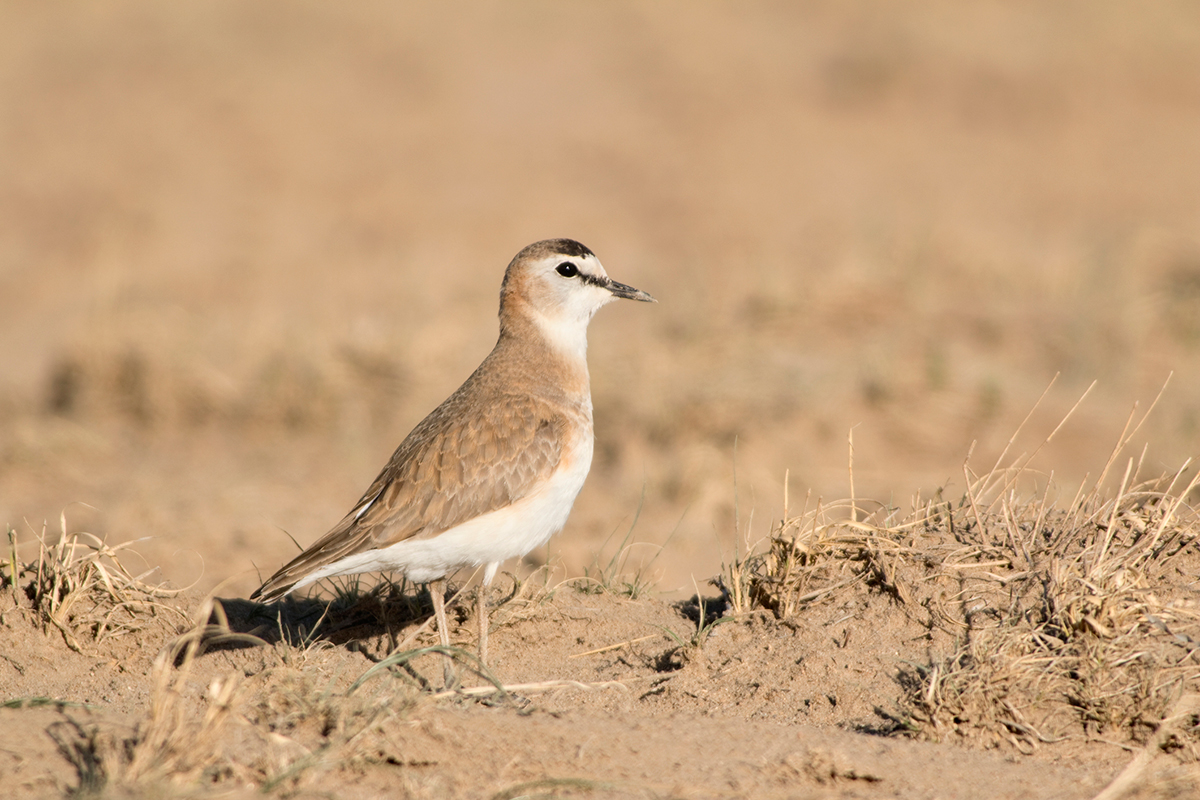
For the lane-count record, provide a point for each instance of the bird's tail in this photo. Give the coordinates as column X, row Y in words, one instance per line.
column 274, row 589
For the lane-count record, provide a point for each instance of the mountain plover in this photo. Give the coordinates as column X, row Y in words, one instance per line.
column 493, row 471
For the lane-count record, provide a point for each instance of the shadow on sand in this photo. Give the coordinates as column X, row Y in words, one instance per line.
column 384, row 616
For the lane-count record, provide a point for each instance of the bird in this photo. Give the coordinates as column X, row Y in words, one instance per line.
column 492, row 472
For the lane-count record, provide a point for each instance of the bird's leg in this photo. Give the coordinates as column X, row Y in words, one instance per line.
column 483, row 624
column 488, row 574
column 437, row 591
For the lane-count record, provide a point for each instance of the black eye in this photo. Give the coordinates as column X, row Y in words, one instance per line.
column 567, row 269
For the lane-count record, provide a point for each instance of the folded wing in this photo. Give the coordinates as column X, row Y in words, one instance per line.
column 442, row 475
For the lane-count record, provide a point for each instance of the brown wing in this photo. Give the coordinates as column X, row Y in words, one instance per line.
column 447, row 471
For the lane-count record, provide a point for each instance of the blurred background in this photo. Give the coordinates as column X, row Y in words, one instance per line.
column 245, row 247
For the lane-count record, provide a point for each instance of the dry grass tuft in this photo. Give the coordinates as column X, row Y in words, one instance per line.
column 264, row 726
column 1068, row 622
column 184, row 737
column 1063, row 621
column 267, row 728
column 817, row 555
column 1071, row 621
column 80, row 587
column 176, row 740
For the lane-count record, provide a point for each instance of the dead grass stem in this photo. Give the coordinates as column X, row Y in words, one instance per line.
column 81, row 586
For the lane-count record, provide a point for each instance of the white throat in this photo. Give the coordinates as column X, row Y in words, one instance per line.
column 567, row 334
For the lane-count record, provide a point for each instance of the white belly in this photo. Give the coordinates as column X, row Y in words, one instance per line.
column 497, row 536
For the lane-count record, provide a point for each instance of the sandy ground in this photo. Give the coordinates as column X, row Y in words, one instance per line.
column 761, row 710
column 244, row 248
